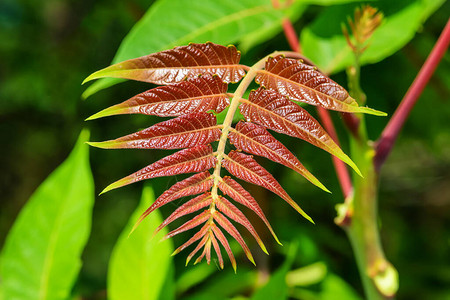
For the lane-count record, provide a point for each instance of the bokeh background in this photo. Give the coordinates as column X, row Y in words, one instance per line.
column 48, row 47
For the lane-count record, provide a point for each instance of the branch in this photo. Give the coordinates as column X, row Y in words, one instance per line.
column 391, row 131
column 291, row 35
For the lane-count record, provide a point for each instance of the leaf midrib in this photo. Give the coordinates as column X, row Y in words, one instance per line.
column 187, row 99
column 44, row 282
column 176, row 134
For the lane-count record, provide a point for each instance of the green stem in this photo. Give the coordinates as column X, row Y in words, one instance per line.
column 220, row 153
column 379, row 277
column 359, row 217
column 238, row 94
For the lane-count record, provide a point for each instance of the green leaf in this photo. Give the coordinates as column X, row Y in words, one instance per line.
column 332, row 2
column 324, row 43
column 193, row 276
column 170, row 23
column 140, row 264
column 331, row 287
column 307, row 275
column 276, row 287
column 272, row 26
column 235, row 283
column 334, row 287
column 41, row 256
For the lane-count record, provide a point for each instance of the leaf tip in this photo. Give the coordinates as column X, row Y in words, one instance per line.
column 93, row 117
column 114, row 185
column 372, row 111
column 264, row 249
column 317, row 183
column 135, row 226
column 307, row 217
column 250, row 257
column 176, row 252
column 86, row 80
column 102, row 145
column 233, row 264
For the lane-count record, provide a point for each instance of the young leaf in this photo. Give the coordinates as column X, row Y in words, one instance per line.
column 201, row 218
column 193, row 185
column 234, row 233
column 175, row 65
column 223, row 240
column 255, row 139
column 206, row 252
column 197, row 159
column 232, row 212
column 304, row 83
column 191, row 98
column 189, row 207
column 42, row 253
column 139, row 265
column 193, row 239
column 273, row 111
column 216, row 248
column 200, row 94
column 246, row 168
column 198, row 247
column 186, row 131
column 230, row 187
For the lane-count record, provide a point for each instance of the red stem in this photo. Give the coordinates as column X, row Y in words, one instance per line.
column 291, row 35
column 339, row 166
column 391, row 131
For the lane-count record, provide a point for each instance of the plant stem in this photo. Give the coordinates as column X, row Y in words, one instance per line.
column 391, row 131
column 379, row 277
column 291, row 35
column 360, row 212
column 238, row 94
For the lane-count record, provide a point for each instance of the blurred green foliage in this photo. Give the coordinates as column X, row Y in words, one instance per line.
column 48, row 48
column 139, row 263
column 41, row 257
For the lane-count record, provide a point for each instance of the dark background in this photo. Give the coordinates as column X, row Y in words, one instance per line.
column 48, row 48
